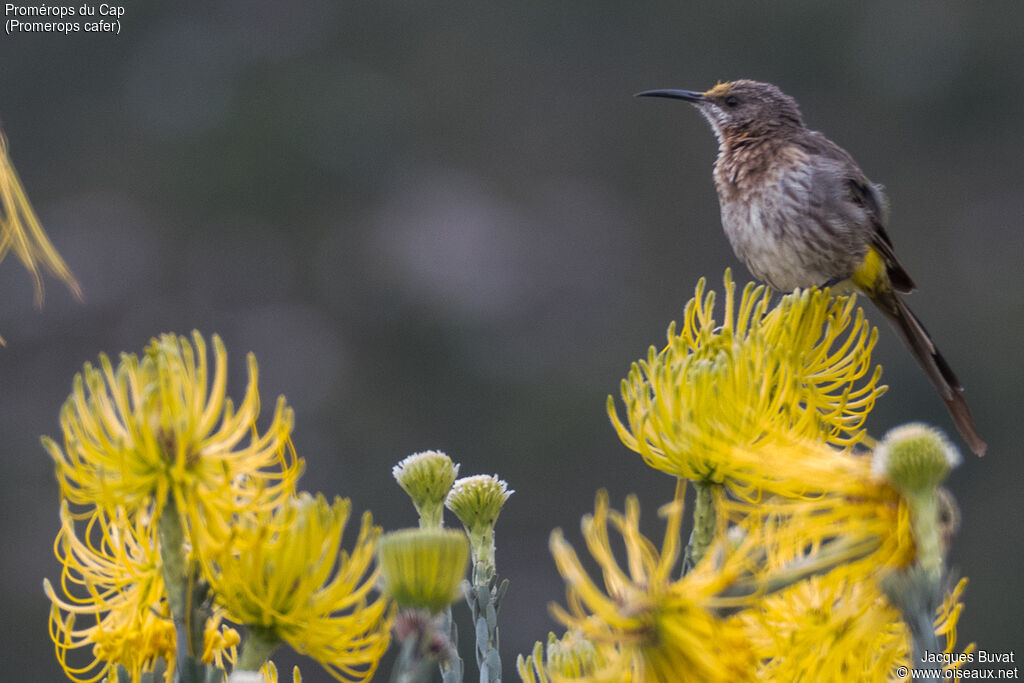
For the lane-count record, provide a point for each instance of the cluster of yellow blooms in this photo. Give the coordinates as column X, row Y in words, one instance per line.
column 813, row 547
column 180, row 516
column 796, row 536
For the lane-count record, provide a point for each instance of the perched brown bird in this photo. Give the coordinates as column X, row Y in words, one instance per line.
column 799, row 212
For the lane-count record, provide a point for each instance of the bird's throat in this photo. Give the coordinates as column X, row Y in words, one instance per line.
column 746, row 157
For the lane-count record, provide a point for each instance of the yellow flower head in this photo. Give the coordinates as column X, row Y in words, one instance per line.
column 719, row 395
column 862, row 518
column 832, row 629
column 667, row 630
column 21, row 232
column 288, row 579
column 113, row 601
column 163, row 425
column 574, row 658
column 827, row 629
column 114, row 596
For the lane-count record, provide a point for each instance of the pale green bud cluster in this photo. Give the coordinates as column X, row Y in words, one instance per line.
column 915, row 458
column 427, row 477
column 572, row 656
column 477, row 501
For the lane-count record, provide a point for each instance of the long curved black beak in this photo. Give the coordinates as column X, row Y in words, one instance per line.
column 688, row 95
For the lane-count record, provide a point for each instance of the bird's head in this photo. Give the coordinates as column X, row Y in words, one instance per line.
column 741, row 107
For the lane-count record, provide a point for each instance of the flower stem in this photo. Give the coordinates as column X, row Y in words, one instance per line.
column 916, row 593
column 411, row 665
column 431, row 516
column 452, row 666
column 484, row 599
column 924, row 509
column 704, row 521
column 259, row 644
column 172, row 560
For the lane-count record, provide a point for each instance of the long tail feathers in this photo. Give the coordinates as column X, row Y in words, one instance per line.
column 931, row 361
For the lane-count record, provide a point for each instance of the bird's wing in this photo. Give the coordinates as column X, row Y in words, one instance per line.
column 870, row 198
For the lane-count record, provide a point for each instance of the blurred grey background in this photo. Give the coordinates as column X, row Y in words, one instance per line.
column 449, row 225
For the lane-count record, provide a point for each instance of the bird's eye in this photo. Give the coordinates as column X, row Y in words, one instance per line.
column 732, row 101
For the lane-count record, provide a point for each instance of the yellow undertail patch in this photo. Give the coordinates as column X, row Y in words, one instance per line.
column 872, row 275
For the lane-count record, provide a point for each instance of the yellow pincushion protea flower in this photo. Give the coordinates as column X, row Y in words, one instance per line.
column 574, row 658
column 868, row 517
column 720, row 396
column 112, row 600
column 833, row 630
column 163, row 425
column 287, row 579
column 21, row 232
column 665, row 629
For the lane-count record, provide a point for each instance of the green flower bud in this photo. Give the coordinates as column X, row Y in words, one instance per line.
column 915, row 458
column 427, row 477
column 571, row 657
column 477, row 501
column 423, row 568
